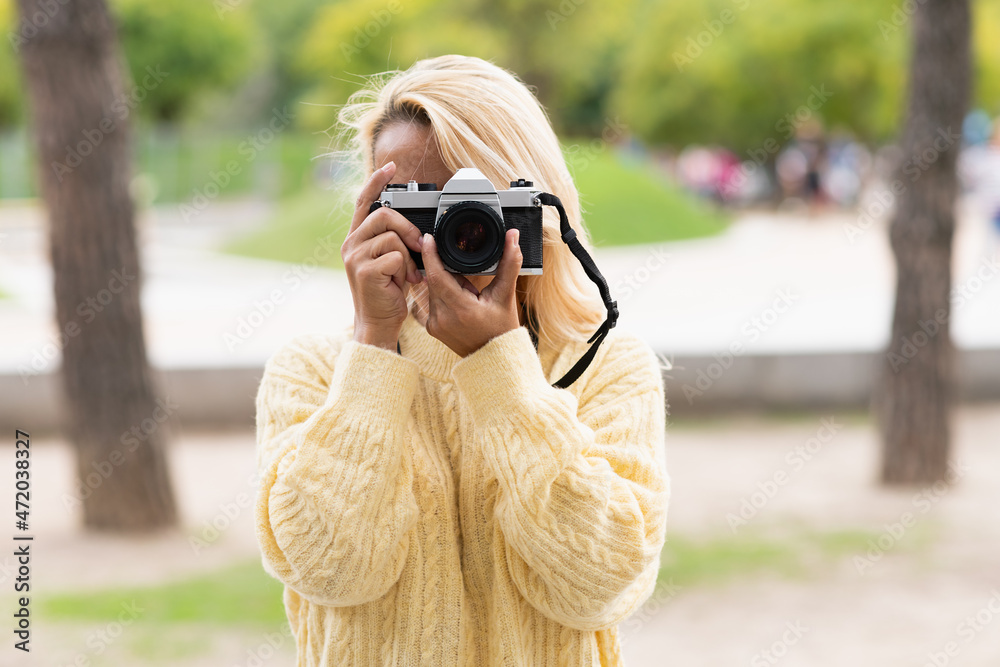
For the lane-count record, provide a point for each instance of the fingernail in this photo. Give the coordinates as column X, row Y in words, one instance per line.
column 425, row 239
column 420, row 242
column 517, row 236
column 388, row 165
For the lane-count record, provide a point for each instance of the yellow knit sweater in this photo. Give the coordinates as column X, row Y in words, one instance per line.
column 427, row 509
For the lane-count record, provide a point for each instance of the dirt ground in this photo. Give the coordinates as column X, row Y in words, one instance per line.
column 938, row 604
column 885, row 607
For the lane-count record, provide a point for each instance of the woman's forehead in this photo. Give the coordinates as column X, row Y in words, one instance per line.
column 413, row 147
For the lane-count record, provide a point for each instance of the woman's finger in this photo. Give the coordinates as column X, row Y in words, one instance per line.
column 386, row 219
column 391, row 265
column 502, row 288
column 386, row 242
column 376, row 183
column 439, row 280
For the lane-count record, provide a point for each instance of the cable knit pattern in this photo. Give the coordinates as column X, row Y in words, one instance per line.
column 388, row 622
column 429, row 614
column 450, row 403
column 366, row 517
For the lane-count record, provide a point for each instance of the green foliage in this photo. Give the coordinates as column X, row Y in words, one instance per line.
column 198, row 47
column 179, row 164
column 729, row 71
column 566, row 51
column 986, row 37
column 725, row 72
column 283, row 25
column 351, row 40
column 10, row 76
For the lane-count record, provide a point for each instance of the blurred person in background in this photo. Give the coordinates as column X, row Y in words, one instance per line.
column 698, row 171
column 712, row 173
column 811, row 139
column 979, row 168
column 991, row 187
column 791, row 167
column 847, row 168
column 427, row 496
column 801, row 167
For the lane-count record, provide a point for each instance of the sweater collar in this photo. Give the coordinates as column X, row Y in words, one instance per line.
column 434, row 358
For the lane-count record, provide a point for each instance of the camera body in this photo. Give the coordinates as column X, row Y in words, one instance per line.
column 469, row 218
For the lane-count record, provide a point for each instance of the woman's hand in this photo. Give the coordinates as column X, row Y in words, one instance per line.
column 459, row 315
column 378, row 264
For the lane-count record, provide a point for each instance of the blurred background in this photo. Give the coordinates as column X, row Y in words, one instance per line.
column 739, row 162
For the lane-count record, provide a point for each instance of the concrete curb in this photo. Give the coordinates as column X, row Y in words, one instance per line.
column 696, row 385
column 805, row 381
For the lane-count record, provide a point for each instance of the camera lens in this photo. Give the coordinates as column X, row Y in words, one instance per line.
column 469, row 237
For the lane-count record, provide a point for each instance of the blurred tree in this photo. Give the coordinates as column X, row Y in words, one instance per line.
column 72, row 70
column 10, row 90
column 199, row 46
column 912, row 402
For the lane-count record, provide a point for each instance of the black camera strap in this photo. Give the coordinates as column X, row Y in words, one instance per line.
column 570, row 239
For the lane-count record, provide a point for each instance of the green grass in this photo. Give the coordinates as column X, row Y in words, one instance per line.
column 624, row 204
column 243, row 594
column 687, row 562
column 182, row 619
column 294, row 233
column 239, row 595
column 171, row 623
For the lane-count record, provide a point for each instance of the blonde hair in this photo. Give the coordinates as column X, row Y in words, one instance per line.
column 483, row 116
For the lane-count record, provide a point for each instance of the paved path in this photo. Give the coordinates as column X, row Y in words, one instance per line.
column 910, row 602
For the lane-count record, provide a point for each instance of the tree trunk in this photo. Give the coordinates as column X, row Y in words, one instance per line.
column 912, row 402
column 79, row 113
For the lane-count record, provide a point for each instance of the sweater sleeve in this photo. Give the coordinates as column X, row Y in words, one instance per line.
column 335, row 506
column 582, row 484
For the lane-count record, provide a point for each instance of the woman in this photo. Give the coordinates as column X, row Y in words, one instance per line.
column 427, row 497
